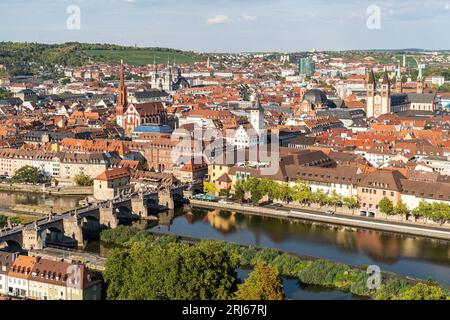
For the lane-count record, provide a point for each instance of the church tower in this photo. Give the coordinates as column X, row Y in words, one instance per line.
column 257, row 120
column 385, row 95
column 122, row 101
column 420, row 82
column 398, row 79
column 371, row 87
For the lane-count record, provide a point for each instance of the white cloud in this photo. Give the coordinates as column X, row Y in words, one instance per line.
column 219, row 19
column 248, row 17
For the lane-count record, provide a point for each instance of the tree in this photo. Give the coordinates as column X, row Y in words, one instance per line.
column 438, row 212
column 422, row 291
column 386, row 206
column 335, row 199
column 264, row 283
column 29, row 174
column 83, row 180
column 154, row 270
column 401, row 209
column 350, row 202
column 116, row 268
column 422, row 210
column 301, row 192
column 209, row 187
column 3, row 221
column 239, row 192
column 319, row 197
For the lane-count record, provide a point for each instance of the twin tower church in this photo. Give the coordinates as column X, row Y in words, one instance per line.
column 381, row 100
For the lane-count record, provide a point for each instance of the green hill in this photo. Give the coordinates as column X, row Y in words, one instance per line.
column 27, row 58
column 144, row 56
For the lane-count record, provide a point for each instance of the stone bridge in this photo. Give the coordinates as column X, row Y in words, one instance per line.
column 71, row 227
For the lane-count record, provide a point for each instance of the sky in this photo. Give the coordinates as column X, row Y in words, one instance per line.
column 232, row 25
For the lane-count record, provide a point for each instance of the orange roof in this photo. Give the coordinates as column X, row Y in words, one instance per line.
column 22, row 267
column 113, row 174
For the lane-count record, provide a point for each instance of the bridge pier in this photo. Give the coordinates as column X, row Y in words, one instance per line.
column 139, row 207
column 165, row 199
column 73, row 229
column 108, row 218
column 32, row 238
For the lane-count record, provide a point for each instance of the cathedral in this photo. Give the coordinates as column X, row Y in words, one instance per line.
column 169, row 80
column 381, row 100
column 131, row 115
column 378, row 102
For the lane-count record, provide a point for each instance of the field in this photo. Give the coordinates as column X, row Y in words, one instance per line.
column 144, row 56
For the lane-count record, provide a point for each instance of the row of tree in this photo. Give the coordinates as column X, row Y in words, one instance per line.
column 161, row 269
column 30, row 174
column 148, row 266
column 300, row 192
column 438, row 212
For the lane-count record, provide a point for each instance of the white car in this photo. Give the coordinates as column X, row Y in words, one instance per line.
column 329, row 212
column 223, row 201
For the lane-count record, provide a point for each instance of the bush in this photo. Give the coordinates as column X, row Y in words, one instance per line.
column 391, row 288
column 359, row 285
column 288, row 264
column 83, row 180
column 29, row 174
column 422, row 291
column 247, row 255
column 324, row 273
column 120, row 236
column 266, row 254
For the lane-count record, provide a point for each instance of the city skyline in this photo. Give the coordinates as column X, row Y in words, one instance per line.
column 231, row 25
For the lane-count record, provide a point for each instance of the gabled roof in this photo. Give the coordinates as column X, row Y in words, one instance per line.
column 113, row 174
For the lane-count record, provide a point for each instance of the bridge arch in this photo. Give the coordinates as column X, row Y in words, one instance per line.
column 11, row 244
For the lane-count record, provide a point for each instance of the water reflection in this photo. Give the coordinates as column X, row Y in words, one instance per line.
column 9, row 199
column 294, row 290
column 407, row 255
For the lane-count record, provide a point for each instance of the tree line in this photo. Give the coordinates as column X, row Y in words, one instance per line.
column 299, row 192
column 144, row 266
column 438, row 212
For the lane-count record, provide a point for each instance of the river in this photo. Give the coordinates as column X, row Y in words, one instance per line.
column 9, row 199
column 411, row 256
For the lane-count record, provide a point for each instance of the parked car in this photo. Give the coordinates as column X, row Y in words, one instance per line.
column 329, row 212
column 279, row 205
column 223, row 201
column 363, row 213
column 371, row 214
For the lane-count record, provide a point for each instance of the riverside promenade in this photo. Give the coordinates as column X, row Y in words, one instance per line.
column 337, row 219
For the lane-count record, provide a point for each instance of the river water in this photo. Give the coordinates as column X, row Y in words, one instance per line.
column 9, row 199
column 405, row 255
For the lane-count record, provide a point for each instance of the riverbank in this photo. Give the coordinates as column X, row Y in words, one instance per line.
column 59, row 191
column 351, row 221
column 309, row 270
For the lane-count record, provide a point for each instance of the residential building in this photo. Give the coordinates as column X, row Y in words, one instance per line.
column 112, row 184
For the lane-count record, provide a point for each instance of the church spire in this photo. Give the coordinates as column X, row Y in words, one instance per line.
column 371, row 78
column 122, row 101
column 398, row 79
column 420, row 81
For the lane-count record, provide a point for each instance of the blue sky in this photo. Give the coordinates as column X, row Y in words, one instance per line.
column 232, row 25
